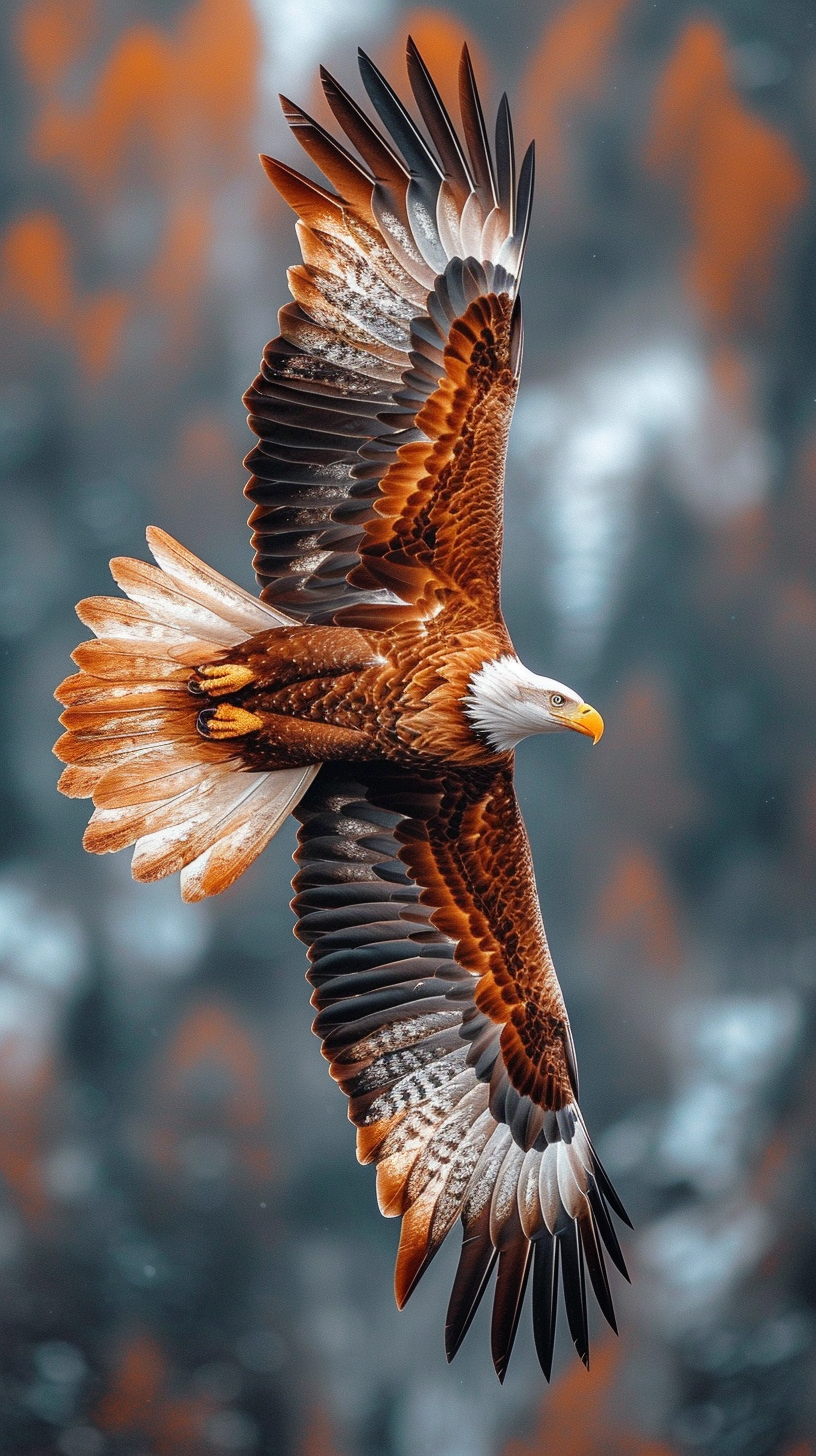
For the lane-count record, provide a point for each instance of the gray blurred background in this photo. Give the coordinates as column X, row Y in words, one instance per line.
column 191, row 1261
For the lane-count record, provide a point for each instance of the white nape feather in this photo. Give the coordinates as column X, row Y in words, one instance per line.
column 506, row 702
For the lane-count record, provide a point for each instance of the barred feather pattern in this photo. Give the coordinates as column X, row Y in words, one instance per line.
column 418, row 222
column 131, row 742
column 393, row 1007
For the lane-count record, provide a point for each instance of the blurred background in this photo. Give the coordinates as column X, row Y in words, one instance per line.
column 191, row 1261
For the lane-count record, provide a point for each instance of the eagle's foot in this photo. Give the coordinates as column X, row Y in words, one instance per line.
column 220, row 678
column 227, row 721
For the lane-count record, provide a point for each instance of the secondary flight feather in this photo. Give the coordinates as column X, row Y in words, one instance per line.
column 374, row 693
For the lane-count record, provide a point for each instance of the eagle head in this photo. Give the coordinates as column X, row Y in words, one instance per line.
column 505, row 702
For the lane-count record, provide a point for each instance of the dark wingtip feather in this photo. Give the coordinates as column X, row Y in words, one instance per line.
column 516, row 337
column 574, row 1282
column 593, row 1256
column 435, row 116
column 608, row 1189
column 572, row 1059
column 506, row 163
column 476, row 132
column 524, row 205
column 545, row 1300
column 511, row 1283
column 476, row 1260
column 606, row 1229
column 362, row 133
column 397, row 120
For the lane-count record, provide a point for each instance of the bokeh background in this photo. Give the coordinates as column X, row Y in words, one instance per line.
column 191, row 1260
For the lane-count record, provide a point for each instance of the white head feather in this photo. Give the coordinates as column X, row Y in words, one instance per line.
column 506, row 702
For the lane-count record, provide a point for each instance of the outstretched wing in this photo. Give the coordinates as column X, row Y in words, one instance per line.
column 444, row 1024
column 383, row 408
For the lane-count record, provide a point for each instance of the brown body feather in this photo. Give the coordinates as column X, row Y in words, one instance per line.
column 401, row 692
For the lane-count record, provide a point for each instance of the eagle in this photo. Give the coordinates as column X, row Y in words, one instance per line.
column 374, row 693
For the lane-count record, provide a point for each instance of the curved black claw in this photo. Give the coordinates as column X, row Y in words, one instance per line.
column 204, row 719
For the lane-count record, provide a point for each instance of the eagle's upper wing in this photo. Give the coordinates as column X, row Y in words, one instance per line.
column 382, row 410
column 443, row 1020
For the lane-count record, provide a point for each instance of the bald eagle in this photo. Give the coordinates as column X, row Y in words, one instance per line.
column 373, row 692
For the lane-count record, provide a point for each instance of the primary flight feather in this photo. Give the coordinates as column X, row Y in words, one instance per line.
column 374, row 692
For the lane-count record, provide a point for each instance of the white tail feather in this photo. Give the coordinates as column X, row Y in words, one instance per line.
column 210, row 588
column 238, row 846
column 185, row 803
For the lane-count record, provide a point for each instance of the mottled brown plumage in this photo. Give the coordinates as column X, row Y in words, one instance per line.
column 374, row 692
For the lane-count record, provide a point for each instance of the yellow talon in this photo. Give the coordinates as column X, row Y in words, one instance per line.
column 224, row 677
column 227, row 721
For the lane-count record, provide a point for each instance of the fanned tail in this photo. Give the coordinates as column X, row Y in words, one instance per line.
column 131, row 742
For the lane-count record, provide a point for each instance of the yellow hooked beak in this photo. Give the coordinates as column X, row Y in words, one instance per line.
column 586, row 720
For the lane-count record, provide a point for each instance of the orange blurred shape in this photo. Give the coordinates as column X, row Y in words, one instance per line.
column 318, row 1438
column 793, row 619
column 174, row 283
column 637, row 905
column 217, row 53
column 202, row 467
column 133, row 1397
column 37, row 283
column 179, row 267
column 212, row 1036
column 204, row 463
column 98, row 329
column 731, row 376
column 574, row 1413
column 52, row 34
column 165, row 118
column 184, row 95
column 137, row 1403
column 578, row 1416
column 566, row 72
column 439, row 37
column 26, row 1092
column 738, row 548
column 129, row 106
column 772, row 1176
column 35, row 260
column 210, row 1081
column 204, row 446
column 738, row 178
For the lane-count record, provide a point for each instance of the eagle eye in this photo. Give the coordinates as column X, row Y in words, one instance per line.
column 557, row 699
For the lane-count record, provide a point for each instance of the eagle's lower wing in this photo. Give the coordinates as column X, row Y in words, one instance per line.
column 383, row 408
column 443, row 1021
